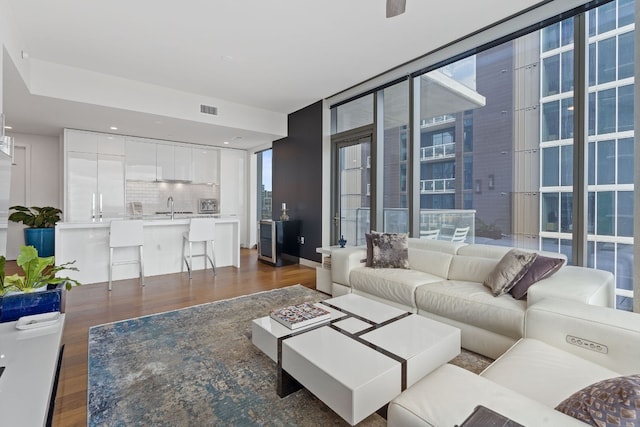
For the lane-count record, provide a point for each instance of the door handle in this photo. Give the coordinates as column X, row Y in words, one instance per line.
column 93, row 206
column 100, row 205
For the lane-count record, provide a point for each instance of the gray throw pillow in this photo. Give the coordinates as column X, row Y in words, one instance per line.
column 611, row 402
column 389, row 250
column 542, row 267
column 513, row 265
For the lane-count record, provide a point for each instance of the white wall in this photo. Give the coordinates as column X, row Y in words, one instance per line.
column 42, row 176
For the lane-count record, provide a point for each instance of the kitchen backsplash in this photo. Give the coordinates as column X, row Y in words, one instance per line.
column 154, row 195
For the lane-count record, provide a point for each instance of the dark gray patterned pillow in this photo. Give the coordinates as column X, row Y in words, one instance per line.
column 612, row 402
column 390, row 250
column 513, row 265
column 541, row 268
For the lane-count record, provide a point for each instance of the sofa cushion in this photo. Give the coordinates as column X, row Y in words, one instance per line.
column 471, row 268
column 531, row 366
column 432, row 262
column 542, row 267
column 497, row 252
column 436, row 245
column 473, row 304
column 446, row 396
column 484, row 251
column 614, row 401
column 393, row 284
column 390, row 250
column 511, row 268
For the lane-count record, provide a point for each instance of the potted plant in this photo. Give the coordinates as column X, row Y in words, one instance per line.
column 38, row 290
column 40, row 224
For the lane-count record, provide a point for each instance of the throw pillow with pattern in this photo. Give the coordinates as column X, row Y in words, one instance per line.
column 389, row 250
column 612, row 402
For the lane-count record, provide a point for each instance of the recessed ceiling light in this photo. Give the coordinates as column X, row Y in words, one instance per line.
column 113, row 128
column 8, row 127
column 226, row 143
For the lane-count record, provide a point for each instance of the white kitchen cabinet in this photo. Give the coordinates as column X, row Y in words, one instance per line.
column 173, row 162
column 94, row 175
column 92, row 142
column 232, row 187
column 80, row 141
column 94, row 186
column 140, row 160
column 232, row 182
column 205, row 165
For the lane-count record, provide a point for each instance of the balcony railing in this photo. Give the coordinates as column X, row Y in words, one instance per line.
column 355, row 223
column 433, row 121
column 442, row 151
column 446, row 185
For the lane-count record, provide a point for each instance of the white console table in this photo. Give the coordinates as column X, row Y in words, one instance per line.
column 31, row 360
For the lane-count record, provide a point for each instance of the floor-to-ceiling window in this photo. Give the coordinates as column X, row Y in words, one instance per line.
column 264, row 204
column 495, row 147
column 395, row 151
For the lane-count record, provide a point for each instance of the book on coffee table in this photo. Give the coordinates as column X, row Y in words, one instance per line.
column 297, row 316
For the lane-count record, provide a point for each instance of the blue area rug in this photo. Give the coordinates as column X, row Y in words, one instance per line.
column 197, row 367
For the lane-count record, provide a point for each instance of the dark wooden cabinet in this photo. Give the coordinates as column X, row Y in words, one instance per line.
column 278, row 242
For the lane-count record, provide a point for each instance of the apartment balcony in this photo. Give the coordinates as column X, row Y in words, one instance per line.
column 437, row 186
column 438, row 152
column 438, row 120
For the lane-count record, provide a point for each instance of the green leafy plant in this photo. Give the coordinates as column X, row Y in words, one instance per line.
column 38, row 272
column 36, row 217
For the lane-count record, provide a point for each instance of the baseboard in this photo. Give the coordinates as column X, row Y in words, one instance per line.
column 309, row 263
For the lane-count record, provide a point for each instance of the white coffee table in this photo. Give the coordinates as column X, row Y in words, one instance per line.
column 362, row 359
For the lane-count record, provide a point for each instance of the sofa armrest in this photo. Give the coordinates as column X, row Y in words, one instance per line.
column 448, row 395
column 608, row 337
column 586, row 285
column 343, row 260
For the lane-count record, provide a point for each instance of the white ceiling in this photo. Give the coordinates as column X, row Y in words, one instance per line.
column 277, row 55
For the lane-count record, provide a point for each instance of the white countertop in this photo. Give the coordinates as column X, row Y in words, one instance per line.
column 155, row 220
column 30, row 357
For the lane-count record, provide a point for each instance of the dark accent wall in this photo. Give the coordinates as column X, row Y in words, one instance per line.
column 297, row 176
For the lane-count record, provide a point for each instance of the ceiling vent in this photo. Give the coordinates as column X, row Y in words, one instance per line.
column 208, row 109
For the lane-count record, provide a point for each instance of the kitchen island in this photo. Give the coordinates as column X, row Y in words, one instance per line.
column 88, row 244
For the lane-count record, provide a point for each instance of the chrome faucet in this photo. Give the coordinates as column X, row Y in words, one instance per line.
column 171, row 205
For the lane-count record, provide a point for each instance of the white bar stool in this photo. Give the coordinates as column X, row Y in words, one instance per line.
column 201, row 230
column 124, row 234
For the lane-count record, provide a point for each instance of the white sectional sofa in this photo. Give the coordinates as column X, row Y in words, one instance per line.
column 567, row 346
column 444, row 282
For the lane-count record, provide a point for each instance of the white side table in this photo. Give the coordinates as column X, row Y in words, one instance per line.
column 323, row 272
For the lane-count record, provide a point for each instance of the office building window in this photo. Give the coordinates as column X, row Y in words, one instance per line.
column 468, row 172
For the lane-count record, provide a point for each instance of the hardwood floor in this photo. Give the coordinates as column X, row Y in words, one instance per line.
column 93, row 304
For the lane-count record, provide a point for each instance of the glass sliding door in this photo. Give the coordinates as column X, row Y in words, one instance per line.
column 353, row 184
